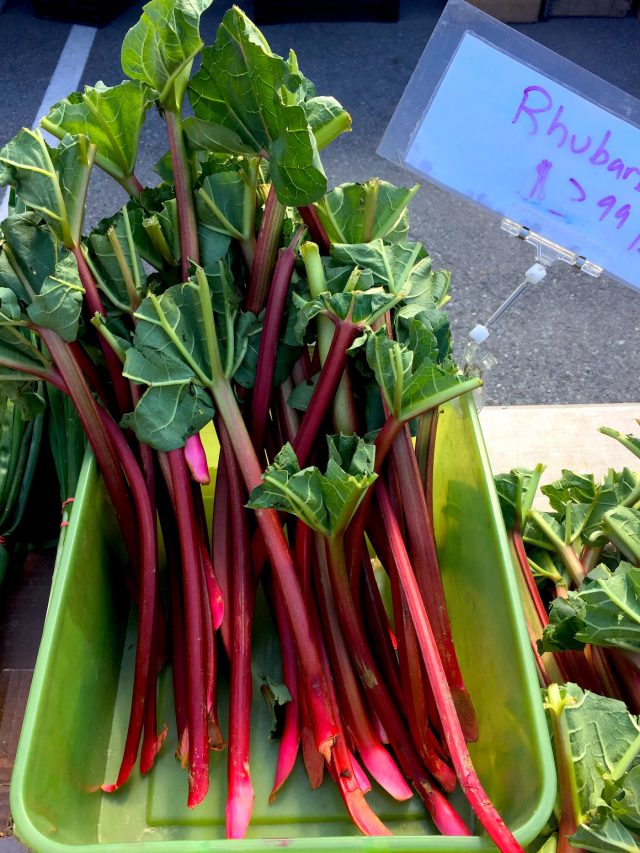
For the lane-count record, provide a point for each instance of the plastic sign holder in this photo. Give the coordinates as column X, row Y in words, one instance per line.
column 512, row 126
column 547, row 253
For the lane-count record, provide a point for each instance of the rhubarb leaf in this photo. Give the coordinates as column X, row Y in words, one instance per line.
column 399, row 267
column 605, row 834
column 248, row 98
column 51, row 181
column 327, row 118
column 167, row 415
column 276, row 695
column 17, row 344
column 359, row 306
column 579, row 488
column 220, row 203
column 58, row 304
column 170, row 355
column 359, row 213
column 629, row 441
column 604, row 741
column 627, row 808
column 111, row 118
column 410, row 379
column 604, row 612
column 29, row 246
column 161, row 47
column 45, row 281
column 516, row 493
column 325, row 502
column 622, row 527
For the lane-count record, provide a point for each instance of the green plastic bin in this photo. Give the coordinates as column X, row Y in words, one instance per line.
column 77, row 714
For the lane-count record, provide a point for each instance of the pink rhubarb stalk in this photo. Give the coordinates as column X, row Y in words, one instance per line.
column 454, row 735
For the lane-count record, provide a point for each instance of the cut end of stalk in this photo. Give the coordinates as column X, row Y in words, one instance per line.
column 466, row 713
column 196, row 460
column 198, row 786
column 361, row 777
column 386, row 773
column 239, row 810
column 151, row 749
column 445, row 817
column 286, row 761
column 109, row 789
column 363, row 816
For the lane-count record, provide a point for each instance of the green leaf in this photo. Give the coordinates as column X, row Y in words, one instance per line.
column 622, row 527
column 410, row 379
column 51, row 181
column 604, row 612
column 276, row 695
column 629, row 441
column 516, row 493
column 579, row 488
column 112, row 267
column 566, row 621
column 111, row 118
column 604, row 741
column 605, row 834
column 248, row 98
column 327, row 119
column 301, row 395
column 171, row 354
column 325, row 502
column 399, row 267
column 220, row 203
column 17, row 344
column 167, row 415
column 359, row 306
column 627, row 808
column 359, row 213
column 534, row 535
column 28, row 254
column 58, row 305
column 161, row 47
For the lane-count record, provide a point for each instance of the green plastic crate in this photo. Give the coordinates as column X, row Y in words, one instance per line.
column 78, row 708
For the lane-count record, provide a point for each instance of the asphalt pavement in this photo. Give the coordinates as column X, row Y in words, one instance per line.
column 571, row 339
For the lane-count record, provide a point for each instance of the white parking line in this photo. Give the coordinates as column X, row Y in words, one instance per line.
column 64, row 79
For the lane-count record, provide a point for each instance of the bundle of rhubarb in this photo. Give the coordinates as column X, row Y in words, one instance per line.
column 308, row 327
column 580, row 583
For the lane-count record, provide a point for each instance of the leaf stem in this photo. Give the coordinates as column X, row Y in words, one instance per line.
column 324, row 392
column 265, row 253
column 454, row 736
column 187, row 224
column 324, row 723
column 570, row 812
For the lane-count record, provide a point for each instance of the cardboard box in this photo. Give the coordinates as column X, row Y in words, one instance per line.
column 587, row 8
column 510, row 11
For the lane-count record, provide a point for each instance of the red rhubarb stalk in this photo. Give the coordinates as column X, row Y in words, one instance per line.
column 424, row 559
column 193, row 610
column 265, row 254
column 145, row 658
column 454, row 735
column 324, row 392
column 240, row 790
column 269, row 342
column 375, row 757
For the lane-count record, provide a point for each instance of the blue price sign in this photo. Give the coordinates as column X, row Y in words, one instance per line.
column 536, row 140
